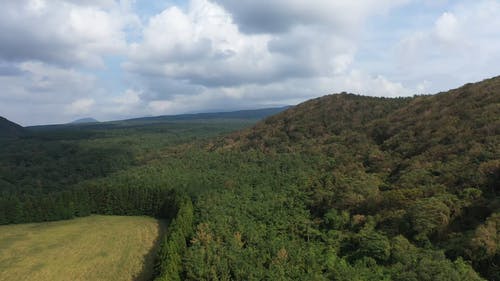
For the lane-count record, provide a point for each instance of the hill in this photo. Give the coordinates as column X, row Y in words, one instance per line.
column 426, row 167
column 84, row 121
column 313, row 122
column 9, row 129
column 473, row 109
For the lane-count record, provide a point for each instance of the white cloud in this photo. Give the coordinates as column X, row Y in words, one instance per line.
column 200, row 58
column 203, row 47
column 129, row 98
column 62, row 32
column 80, row 106
column 458, row 48
column 39, row 93
column 42, row 83
column 447, row 28
column 126, row 104
column 163, row 106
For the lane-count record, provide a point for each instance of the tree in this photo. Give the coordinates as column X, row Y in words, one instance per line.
column 428, row 216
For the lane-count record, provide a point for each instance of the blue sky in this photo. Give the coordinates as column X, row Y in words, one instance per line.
column 66, row 59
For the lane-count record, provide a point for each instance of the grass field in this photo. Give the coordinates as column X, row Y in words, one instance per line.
column 91, row 248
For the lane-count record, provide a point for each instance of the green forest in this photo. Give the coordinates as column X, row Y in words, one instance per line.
column 342, row 187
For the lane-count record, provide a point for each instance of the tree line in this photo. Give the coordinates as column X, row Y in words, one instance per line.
column 86, row 200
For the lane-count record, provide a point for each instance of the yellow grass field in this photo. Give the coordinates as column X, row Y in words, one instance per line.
column 91, row 248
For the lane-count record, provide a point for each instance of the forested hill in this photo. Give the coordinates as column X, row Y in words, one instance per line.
column 426, row 167
column 450, row 139
column 9, row 129
column 471, row 110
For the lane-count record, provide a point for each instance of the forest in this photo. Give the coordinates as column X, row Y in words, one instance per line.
column 342, row 187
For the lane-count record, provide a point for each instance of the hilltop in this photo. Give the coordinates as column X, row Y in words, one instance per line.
column 471, row 109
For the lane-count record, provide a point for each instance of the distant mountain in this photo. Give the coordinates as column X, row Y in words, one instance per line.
column 9, row 129
column 85, row 121
column 252, row 114
column 249, row 116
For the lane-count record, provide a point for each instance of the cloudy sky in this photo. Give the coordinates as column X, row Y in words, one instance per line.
column 66, row 59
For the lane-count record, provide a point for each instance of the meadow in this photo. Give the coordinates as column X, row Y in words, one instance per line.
column 80, row 249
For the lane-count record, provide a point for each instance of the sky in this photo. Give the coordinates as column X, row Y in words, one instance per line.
column 62, row 60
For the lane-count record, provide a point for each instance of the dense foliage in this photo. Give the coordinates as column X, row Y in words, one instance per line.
column 253, row 222
column 53, row 158
column 174, row 245
column 343, row 187
column 426, row 168
column 58, row 172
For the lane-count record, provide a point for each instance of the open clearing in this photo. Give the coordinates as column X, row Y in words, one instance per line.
column 89, row 248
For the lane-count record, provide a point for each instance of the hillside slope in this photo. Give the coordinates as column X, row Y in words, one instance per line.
column 426, row 167
column 9, row 129
column 391, row 137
